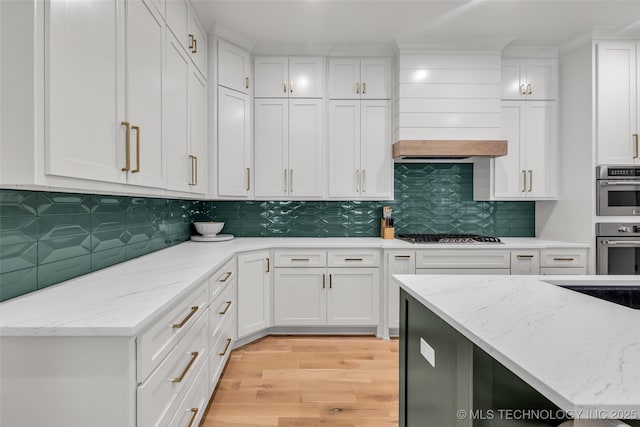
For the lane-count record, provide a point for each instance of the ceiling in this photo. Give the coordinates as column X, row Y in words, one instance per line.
column 375, row 26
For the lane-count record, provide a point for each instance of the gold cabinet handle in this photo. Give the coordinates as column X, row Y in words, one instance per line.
column 285, row 180
column 268, row 265
column 194, row 44
column 525, row 256
column 324, row 280
column 529, row 88
column 191, row 39
column 285, row 86
column 127, row 126
column 226, row 308
column 358, row 87
column 530, row 180
column 524, row 181
column 523, row 89
column 196, row 169
column 226, row 347
column 194, row 356
column 246, row 82
column 403, row 256
column 291, row 85
column 193, row 167
column 353, row 259
column 364, row 179
column 300, row 259
column 248, row 179
column 186, row 319
column 194, row 414
column 226, row 276
column 364, row 88
column 563, row 259
column 290, row 180
column 635, row 146
column 330, row 281
column 137, row 129
column 357, row 180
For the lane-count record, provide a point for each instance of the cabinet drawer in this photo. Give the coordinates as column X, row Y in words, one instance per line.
column 222, row 308
column 548, row 271
column 563, row 258
column 304, row 258
column 220, row 351
column 464, row 271
column 354, row 258
column 157, row 341
column 463, row 259
column 222, row 278
column 192, row 408
column 158, row 397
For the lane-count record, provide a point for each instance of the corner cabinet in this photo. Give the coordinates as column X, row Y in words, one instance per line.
column 254, row 292
column 289, row 148
column 617, row 99
column 234, row 144
column 360, row 160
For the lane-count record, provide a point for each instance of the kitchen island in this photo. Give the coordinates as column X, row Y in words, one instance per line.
column 493, row 347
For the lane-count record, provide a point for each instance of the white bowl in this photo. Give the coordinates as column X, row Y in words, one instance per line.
column 208, row 229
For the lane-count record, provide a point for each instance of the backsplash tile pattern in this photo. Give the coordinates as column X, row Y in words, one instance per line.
column 46, row 238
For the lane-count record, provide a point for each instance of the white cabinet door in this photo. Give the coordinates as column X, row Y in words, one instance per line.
column 616, row 102
column 175, row 115
column 344, row 78
column 525, row 262
column 234, row 144
column 353, row 297
column 344, row 149
column 145, row 46
column 306, row 148
column 509, row 176
column 177, row 18
column 234, row 64
column 198, row 43
column 513, row 79
column 271, row 75
column 540, row 157
column 300, row 296
column 376, row 158
column 198, row 133
column 306, row 77
column 542, row 76
column 375, row 80
column 271, row 140
column 402, row 262
column 84, row 142
column 254, row 292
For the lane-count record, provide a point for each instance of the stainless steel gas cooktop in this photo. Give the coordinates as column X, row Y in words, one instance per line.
column 448, row 238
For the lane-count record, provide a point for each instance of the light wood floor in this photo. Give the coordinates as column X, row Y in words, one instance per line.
column 309, row 381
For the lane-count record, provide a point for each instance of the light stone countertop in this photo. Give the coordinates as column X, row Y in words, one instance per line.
column 123, row 299
column 580, row 352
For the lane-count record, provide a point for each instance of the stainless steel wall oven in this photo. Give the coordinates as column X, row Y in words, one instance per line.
column 618, row 190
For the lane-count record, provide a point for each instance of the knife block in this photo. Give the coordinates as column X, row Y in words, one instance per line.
column 386, row 232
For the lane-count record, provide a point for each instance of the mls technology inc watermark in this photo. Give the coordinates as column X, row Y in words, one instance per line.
column 544, row 414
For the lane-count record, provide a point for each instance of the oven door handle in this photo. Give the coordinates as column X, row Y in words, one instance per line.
column 621, row 242
column 621, row 182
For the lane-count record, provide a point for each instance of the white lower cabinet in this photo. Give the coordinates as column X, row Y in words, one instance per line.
column 300, row 296
column 254, row 292
column 401, row 262
column 192, row 408
column 353, row 296
column 525, row 262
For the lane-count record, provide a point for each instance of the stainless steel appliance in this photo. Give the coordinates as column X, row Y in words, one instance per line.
column 618, row 248
column 448, row 238
column 618, row 190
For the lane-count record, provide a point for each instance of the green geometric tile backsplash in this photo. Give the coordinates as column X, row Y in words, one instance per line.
column 47, row 237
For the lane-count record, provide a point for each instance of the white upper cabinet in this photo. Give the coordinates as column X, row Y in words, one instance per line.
column 82, row 142
column 177, row 18
column 355, row 78
column 234, row 65
column 360, row 163
column 289, row 148
column 529, row 78
column 198, row 178
column 288, row 77
column 234, row 144
column 183, row 22
column 198, row 43
column 617, row 103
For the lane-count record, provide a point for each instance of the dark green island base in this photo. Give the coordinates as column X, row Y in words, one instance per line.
column 467, row 387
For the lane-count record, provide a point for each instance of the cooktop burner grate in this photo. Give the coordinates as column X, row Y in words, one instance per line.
column 448, row 238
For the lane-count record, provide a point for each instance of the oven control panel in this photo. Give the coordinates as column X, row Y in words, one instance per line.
column 611, row 229
column 617, row 172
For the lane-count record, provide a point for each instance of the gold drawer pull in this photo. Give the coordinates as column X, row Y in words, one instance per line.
column 324, row 280
column 300, row 259
column 564, row 259
column 194, row 356
column 226, row 308
column 226, row 277
column 226, row 347
column 246, row 82
column 331, row 281
column 525, row 256
column 268, row 265
column 194, row 411
column 353, row 259
column 403, row 256
column 186, row 319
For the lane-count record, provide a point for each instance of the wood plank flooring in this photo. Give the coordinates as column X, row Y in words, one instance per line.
column 305, row 381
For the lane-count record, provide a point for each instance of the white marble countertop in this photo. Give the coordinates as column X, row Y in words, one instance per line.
column 580, row 352
column 123, row 299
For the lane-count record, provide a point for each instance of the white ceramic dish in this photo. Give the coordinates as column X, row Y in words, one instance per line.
column 218, row 238
column 208, row 229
